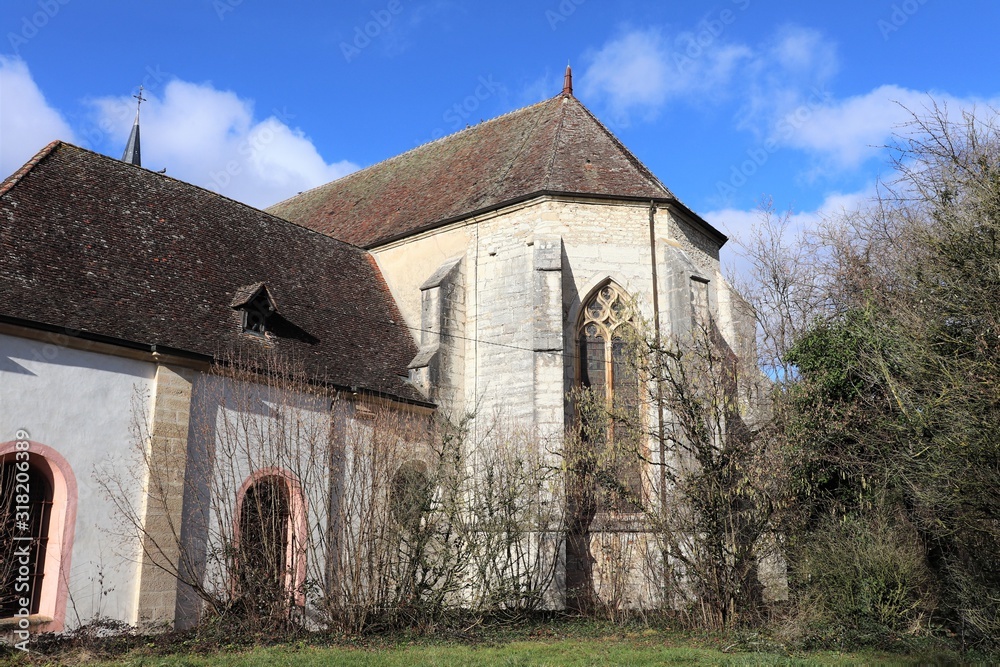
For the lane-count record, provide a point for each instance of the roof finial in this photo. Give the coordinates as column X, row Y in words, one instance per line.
column 568, row 82
column 140, row 98
column 132, row 155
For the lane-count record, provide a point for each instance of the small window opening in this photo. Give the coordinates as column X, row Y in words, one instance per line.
column 258, row 308
column 254, row 322
column 410, row 495
column 701, row 309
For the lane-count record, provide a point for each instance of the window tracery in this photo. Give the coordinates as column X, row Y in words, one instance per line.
column 609, row 378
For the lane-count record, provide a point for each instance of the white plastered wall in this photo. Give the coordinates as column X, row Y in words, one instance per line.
column 80, row 404
column 229, row 424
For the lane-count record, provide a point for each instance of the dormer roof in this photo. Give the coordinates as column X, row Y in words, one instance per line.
column 247, row 294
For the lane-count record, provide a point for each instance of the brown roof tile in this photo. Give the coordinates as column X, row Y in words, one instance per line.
column 555, row 146
column 91, row 244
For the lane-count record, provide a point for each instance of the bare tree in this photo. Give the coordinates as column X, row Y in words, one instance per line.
column 679, row 514
column 725, row 476
column 364, row 514
column 786, row 285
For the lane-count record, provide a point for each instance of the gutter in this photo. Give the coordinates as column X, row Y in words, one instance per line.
column 154, row 353
column 68, row 337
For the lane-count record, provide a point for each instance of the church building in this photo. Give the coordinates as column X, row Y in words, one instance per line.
column 484, row 275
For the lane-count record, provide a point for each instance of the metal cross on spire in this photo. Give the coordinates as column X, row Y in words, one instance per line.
column 140, row 98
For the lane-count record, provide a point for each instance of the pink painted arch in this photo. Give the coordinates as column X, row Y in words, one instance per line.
column 62, row 528
column 297, row 529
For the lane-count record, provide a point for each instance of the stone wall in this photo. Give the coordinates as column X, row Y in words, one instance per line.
column 166, row 454
column 525, row 270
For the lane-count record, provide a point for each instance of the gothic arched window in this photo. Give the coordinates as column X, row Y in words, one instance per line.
column 606, row 338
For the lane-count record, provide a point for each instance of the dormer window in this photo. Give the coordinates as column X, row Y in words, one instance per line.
column 254, row 321
column 257, row 306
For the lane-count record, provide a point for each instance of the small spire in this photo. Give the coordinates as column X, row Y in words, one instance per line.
column 132, row 153
column 568, row 82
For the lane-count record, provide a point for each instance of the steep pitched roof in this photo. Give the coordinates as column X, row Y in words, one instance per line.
column 555, row 146
column 93, row 245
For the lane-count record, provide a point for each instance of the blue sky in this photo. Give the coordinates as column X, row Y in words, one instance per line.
column 728, row 102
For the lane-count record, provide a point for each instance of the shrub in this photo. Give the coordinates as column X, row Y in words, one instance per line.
column 867, row 574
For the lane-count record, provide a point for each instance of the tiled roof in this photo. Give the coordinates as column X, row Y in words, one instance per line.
column 94, row 245
column 555, row 146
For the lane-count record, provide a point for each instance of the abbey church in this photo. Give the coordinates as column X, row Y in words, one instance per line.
column 481, row 274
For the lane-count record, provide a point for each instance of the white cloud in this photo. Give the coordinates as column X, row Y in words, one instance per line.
column 789, row 102
column 781, row 86
column 802, row 51
column 639, row 71
column 27, row 122
column 631, row 72
column 211, row 138
column 789, row 71
column 739, row 224
column 849, row 131
column 642, row 70
column 199, row 134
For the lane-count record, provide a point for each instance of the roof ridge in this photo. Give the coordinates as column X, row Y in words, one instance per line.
column 412, row 150
column 629, row 155
column 555, row 140
column 187, row 184
column 23, row 171
column 528, row 151
column 520, row 150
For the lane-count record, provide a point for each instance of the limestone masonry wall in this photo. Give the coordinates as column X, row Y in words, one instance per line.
column 525, row 270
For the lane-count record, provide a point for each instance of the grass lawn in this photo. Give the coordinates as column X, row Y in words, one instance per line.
column 640, row 649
